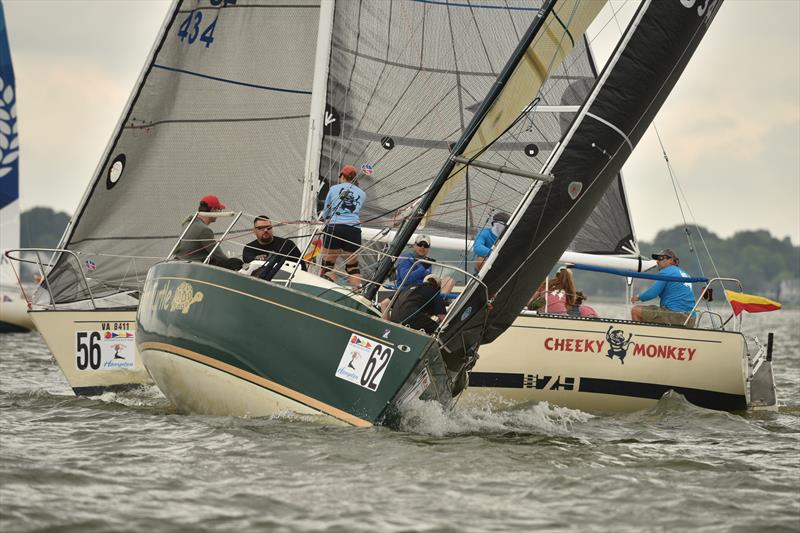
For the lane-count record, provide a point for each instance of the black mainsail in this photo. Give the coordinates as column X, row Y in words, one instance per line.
column 646, row 64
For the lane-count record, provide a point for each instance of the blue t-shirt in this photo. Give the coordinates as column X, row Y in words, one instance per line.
column 484, row 242
column 417, row 275
column 674, row 295
column 343, row 204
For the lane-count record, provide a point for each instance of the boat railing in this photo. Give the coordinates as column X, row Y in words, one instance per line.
column 705, row 295
column 16, row 256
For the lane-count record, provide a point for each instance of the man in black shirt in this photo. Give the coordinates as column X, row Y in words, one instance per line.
column 415, row 305
column 268, row 247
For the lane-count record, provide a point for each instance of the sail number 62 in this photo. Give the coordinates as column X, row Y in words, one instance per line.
column 373, row 370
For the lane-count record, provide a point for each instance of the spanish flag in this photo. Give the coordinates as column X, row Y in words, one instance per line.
column 316, row 246
column 750, row 303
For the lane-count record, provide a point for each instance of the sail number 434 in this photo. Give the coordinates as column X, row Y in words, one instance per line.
column 193, row 26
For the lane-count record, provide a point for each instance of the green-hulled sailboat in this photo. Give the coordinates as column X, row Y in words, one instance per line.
column 219, row 342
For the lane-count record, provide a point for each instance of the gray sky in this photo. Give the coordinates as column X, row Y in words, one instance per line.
column 731, row 127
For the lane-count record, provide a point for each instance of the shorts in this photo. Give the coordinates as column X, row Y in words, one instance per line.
column 660, row 315
column 342, row 237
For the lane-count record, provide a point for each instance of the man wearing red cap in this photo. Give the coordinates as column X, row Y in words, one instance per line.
column 342, row 233
column 198, row 241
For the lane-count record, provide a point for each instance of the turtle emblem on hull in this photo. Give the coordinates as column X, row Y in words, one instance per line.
column 184, row 298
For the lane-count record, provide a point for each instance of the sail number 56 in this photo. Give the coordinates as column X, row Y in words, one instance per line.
column 87, row 350
column 373, row 370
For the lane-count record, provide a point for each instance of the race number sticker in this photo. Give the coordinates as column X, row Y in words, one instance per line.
column 364, row 362
column 105, row 350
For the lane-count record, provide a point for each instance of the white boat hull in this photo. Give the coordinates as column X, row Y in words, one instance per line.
column 83, row 344
column 569, row 362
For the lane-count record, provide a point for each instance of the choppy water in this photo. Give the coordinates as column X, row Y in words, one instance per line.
column 129, row 463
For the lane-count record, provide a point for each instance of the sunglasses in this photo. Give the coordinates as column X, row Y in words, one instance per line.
column 262, row 228
column 423, row 245
column 662, row 257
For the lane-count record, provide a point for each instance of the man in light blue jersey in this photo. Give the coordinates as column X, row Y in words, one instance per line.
column 676, row 298
column 342, row 233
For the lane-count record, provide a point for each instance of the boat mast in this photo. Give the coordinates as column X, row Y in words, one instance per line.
column 316, row 121
column 410, row 225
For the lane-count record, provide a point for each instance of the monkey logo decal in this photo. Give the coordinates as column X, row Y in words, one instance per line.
column 617, row 345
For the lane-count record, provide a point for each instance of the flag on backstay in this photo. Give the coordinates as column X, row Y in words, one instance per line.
column 750, row 302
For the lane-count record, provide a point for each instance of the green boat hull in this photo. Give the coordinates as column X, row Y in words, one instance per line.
column 209, row 335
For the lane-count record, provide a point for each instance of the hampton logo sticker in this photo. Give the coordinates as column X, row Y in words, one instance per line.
column 364, row 362
column 618, row 344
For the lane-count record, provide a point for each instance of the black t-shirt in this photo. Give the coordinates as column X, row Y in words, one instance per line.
column 256, row 251
column 419, row 300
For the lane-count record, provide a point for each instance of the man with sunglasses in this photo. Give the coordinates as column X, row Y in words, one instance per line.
column 417, row 272
column 268, row 247
column 676, row 298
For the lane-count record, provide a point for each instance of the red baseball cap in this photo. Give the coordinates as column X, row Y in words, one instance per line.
column 349, row 171
column 212, row 202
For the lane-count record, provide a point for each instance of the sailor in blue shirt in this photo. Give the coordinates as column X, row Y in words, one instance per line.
column 676, row 299
column 409, row 272
column 487, row 237
column 342, row 233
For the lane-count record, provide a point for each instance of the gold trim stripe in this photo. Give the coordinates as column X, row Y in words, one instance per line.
column 258, row 380
column 276, row 304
